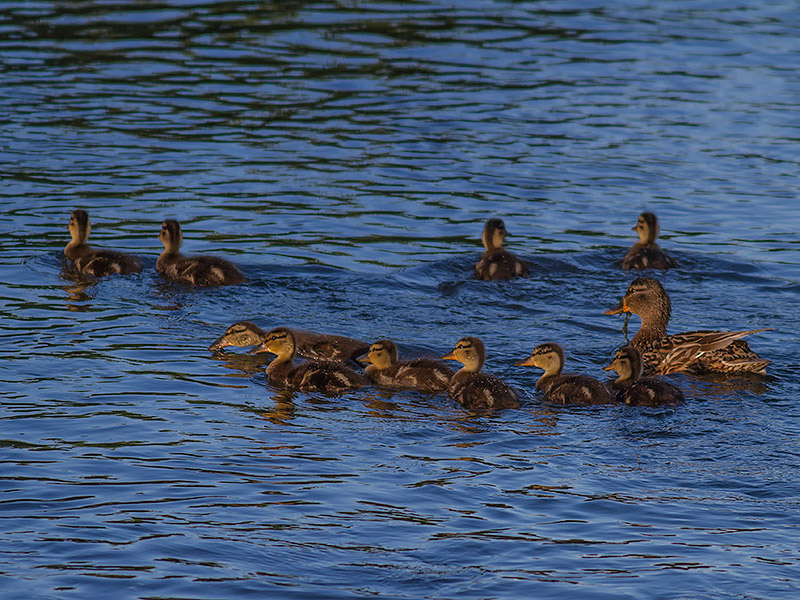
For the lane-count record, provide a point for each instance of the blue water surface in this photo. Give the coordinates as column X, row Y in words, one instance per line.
column 345, row 154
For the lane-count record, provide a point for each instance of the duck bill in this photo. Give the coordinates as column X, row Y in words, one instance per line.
column 525, row 362
column 364, row 359
column 619, row 308
column 609, row 367
column 257, row 349
column 219, row 344
column 451, row 356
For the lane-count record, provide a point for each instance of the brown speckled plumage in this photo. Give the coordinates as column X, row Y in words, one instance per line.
column 315, row 375
column 310, row 344
column 420, row 374
column 201, row 271
column 473, row 389
column 645, row 254
column 560, row 387
column 700, row 351
column 86, row 259
column 633, row 389
column 497, row 262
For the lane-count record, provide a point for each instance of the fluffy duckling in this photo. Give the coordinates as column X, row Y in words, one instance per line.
column 420, row 374
column 497, row 262
column 645, row 254
column 562, row 388
column 471, row 388
column 699, row 351
column 315, row 375
column 95, row 262
column 631, row 388
column 319, row 346
column 203, row 271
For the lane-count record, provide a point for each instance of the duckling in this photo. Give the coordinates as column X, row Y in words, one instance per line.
column 203, row 271
column 559, row 387
column 95, row 262
column 695, row 351
column 497, row 262
column 315, row 375
column 645, row 254
column 631, row 388
column 473, row 389
column 320, row 346
column 420, row 374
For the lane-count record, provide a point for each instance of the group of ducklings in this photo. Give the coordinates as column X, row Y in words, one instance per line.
column 331, row 358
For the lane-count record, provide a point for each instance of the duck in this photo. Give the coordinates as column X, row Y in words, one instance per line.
column 324, row 376
column 645, row 254
column 560, row 387
column 497, row 262
column 86, row 259
column 420, row 374
column 692, row 351
column 473, row 389
column 310, row 344
column 633, row 389
column 200, row 271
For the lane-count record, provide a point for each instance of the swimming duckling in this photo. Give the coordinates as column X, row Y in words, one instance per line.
column 471, row 388
column 420, row 374
column 720, row 351
column 645, row 254
column 497, row 262
column 95, row 262
column 315, row 375
column 631, row 388
column 320, row 346
column 204, row 271
column 558, row 387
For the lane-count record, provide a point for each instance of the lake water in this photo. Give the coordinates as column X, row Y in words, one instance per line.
column 345, row 154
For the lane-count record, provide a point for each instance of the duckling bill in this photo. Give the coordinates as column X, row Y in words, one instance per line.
column 86, row 259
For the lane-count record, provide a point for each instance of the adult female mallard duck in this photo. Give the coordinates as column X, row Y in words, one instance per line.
column 560, row 387
column 631, row 388
column 95, row 262
column 420, row 374
column 471, row 388
column 319, row 346
column 497, row 262
column 720, row 351
column 202, row 271
column 315, row 375
column 645, row 254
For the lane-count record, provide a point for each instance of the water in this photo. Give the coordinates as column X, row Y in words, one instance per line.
column 346, row 154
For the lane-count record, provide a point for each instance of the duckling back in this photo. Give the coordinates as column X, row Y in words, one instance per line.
column 499, row 264
column 324, row 376
column 101, row 263
column 482, row 391
column 649, row 391
column 575, row 389
column 200, row 271
column 420, row 374
column 647, row 256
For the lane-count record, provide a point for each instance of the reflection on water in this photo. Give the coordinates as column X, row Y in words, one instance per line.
column 346, row 155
